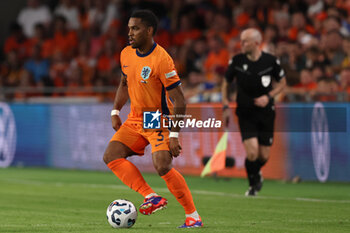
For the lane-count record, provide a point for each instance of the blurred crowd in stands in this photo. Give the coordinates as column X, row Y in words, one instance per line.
column 74, row 45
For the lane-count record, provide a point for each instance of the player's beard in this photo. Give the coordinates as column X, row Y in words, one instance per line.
column 137, row 44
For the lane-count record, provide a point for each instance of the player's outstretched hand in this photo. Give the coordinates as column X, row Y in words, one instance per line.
column 116, row 122
column 175, row 147
column 262, row 101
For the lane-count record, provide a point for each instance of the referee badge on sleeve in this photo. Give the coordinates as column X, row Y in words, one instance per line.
column 266, row 80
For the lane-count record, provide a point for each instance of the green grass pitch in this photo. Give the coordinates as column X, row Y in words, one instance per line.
column 52, row 200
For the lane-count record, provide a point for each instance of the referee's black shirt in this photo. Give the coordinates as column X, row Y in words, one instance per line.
column 254, row 78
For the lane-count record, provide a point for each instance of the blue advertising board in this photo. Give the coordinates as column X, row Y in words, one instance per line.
column 317, row 137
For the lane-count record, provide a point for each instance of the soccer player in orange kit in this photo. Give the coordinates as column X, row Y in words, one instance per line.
column 149, row 78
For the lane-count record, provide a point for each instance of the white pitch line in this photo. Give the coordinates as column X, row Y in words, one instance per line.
column 194, row 191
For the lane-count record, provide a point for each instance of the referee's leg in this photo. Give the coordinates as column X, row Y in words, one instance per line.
column 263, row 157
column 264, row 153
column 251, row 146
column 265, row 140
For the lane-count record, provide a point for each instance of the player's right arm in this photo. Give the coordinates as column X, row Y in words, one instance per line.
column 120, row 99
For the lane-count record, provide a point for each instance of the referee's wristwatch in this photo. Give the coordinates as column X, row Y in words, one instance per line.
column 225, row 107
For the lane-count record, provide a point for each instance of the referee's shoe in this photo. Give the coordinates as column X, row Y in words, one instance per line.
column 256, row 187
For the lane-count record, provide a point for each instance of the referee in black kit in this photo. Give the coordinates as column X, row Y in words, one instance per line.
column 259, row 77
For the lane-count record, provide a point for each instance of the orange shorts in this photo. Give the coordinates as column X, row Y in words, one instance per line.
column 136, row 138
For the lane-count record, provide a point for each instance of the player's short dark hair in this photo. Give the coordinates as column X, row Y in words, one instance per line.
column 147, row 17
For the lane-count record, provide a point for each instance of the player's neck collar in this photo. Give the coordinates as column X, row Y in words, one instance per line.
column 148, row 53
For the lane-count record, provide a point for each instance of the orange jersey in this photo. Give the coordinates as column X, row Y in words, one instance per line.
column 149, row 77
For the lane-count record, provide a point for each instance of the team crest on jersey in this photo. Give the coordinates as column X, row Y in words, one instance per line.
column 245, row 67
column 266, row 80
column 145, row 72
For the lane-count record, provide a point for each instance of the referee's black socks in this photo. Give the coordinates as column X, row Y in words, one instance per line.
column 253, row 168
column 260, row 162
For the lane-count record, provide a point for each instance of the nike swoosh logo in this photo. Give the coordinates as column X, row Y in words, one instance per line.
column 125, row 66
column 158, row 144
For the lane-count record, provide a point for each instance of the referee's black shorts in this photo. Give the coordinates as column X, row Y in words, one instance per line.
column 257, row 123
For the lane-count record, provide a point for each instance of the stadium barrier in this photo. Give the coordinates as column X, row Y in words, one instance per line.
column 311, row 140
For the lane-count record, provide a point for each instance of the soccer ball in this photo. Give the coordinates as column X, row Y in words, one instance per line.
column 121, row 214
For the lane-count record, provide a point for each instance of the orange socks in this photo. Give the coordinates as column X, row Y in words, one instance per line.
column 178, row 187
column 130, row 175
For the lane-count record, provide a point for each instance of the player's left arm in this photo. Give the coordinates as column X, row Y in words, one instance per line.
column 171, row 81
column 177, row 95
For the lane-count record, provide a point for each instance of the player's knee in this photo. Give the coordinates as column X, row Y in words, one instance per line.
column 162, row 169
column 109, row 157
column 106, row 158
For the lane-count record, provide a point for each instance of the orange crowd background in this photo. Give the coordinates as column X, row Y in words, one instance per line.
column 74, row 45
